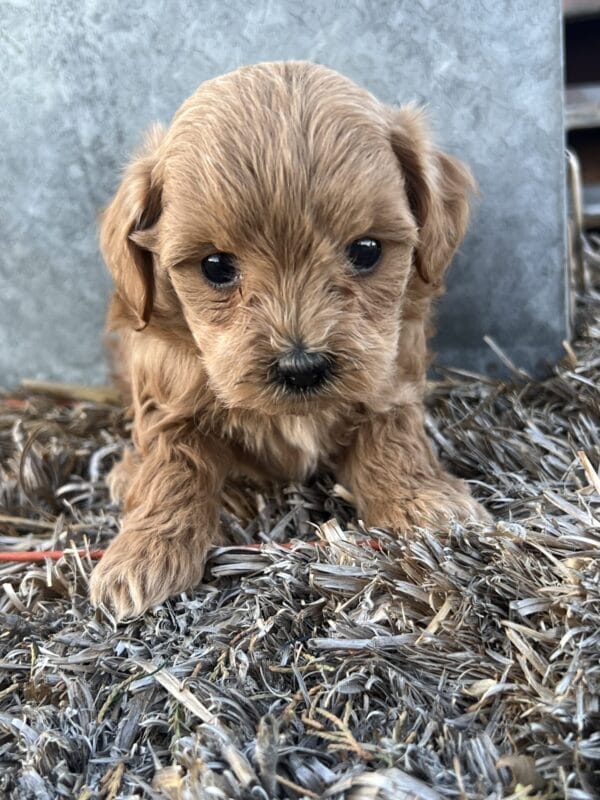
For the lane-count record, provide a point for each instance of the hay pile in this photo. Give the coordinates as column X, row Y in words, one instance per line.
column 458, row 664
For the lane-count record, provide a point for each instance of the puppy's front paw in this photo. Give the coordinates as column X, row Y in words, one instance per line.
column 433, row 507
column 141, row 570
column 120, row 476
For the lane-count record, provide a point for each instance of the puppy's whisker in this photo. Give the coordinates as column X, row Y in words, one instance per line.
column 242, row 382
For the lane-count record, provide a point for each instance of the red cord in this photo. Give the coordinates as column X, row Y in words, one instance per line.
column 95, row 555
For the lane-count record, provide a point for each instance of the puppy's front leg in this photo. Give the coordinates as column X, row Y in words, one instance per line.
column 171, row 518
column 397, row 480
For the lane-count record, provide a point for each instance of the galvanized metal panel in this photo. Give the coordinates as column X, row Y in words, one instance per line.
column 81, row 80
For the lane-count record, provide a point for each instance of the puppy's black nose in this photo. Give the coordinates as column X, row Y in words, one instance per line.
column 299, row 369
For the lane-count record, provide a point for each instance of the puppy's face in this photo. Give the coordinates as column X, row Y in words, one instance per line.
column 283, row 234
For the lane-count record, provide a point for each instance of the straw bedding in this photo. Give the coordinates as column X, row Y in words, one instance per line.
column 462, row 663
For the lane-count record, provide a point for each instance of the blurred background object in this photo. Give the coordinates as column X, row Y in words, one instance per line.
column 582, row 112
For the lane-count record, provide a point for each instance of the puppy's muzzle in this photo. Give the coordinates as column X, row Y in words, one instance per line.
column 299, row 370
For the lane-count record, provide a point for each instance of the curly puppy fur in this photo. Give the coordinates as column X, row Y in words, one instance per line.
column 282, row 165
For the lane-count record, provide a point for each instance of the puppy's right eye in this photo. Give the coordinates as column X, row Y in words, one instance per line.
column 363, row 254
column 220, row 269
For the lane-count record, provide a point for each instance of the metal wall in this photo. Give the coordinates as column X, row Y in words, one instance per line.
column 82, row 79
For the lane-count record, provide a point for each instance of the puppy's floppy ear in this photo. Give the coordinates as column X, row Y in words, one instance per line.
column 127, row 237
column 438, row 188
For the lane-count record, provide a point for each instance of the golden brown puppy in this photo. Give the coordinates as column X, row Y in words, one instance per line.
column 275, row 255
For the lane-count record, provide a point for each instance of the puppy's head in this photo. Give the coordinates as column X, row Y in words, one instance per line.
column 285, row 222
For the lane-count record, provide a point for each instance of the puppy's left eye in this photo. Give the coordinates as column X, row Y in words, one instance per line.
column 220, row 269
column 364, row 253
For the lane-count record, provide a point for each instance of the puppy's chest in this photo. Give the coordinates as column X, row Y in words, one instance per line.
column 288, row 448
